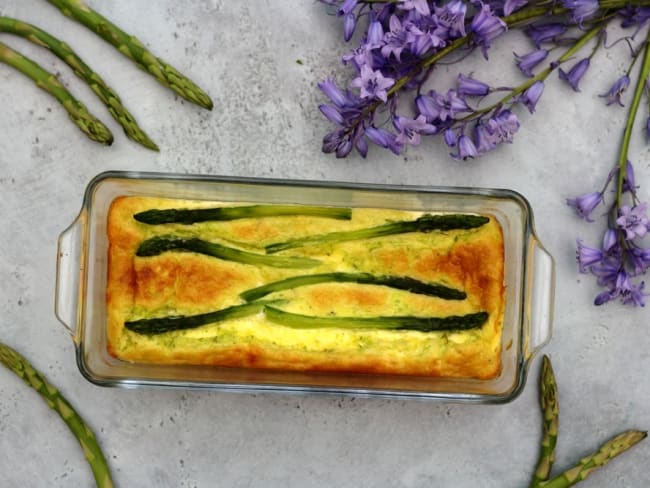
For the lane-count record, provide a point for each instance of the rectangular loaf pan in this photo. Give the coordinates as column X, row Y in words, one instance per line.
column 82, row 270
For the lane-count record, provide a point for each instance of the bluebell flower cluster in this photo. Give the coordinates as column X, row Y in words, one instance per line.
column 392, row 100
column 621, row 260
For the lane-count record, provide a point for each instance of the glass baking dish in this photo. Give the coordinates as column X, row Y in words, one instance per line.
column 82, row 270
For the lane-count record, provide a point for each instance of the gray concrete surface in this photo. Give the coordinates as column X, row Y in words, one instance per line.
column 266, row 123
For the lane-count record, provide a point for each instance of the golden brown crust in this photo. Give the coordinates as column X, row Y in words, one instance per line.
column 184, row 283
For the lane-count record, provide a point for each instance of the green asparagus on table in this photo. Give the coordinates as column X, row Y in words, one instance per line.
column 45, row 80
column 426, row 223
column 588, row 464
column 83, row 71
column 131, row 47
column 550, row 413
column 189, row 216
column 93, row 452
column 398, row 282
column 160, row 244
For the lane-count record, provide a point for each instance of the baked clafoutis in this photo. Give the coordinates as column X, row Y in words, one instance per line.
column 305, row 288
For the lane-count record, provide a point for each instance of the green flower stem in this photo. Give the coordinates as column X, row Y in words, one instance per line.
column 87, row 123
column 542, row 75
column 83, row 71
column 57, row 402
column 631, row 116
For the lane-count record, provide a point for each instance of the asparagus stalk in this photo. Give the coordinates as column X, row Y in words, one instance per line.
column 45, row 80
column 550, row 413
column 426, row 223
column 181, row 322
column 587, row 465
column 399, row 282
column 56, row 401
column 190, row 216
column 83, row 71
column 132, row 48
column 422, row 324
column 158, row 245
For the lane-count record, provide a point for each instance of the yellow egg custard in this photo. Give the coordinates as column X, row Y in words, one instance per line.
column 356, row 290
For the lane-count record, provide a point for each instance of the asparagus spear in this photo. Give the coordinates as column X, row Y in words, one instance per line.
column 83, row 71
column 606, row 453
column 45, row 80
column 132, row 48
column 180, row 322
column 550, row 412
column 422, row 324
column 399, row 282
column 426, row 223
column 193, row 215
column 158, row 245
column 56, row 401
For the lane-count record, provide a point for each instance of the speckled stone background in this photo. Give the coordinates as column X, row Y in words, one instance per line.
column 261, row 60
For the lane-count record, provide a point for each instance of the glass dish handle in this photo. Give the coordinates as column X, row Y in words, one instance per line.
column 68, row 267
column 542, row 298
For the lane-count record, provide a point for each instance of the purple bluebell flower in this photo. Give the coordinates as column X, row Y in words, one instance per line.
column 396, row 39
column 410, row 129
column 437, row 107
column 616, row 91
column 581, row 10
column 483, row 139
column 349, row 24
column 420, row 6
column 486, row 27
column 634, row 16
column 502, row 126
column 450, row 137
column 344, row 148
column 361, row 145
column 610, row 241
column 466, row 149
column 640, row 260
column 585, row 204
column 510, row 6
column 532, row 95
column 332, row 114
column 424, row 35
column 346, row 7
column 647, row 127
column 333, row 92
column 542, row 33
column 607, row 270
column 383, row 138
column 629, row 184
column 588, row 256
column 375, row 35
column 372, row 83
column 527, row 62
column 633, row 220
column 468, row 86
column 629, row 293
column 451, row 18
column 575, row 74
